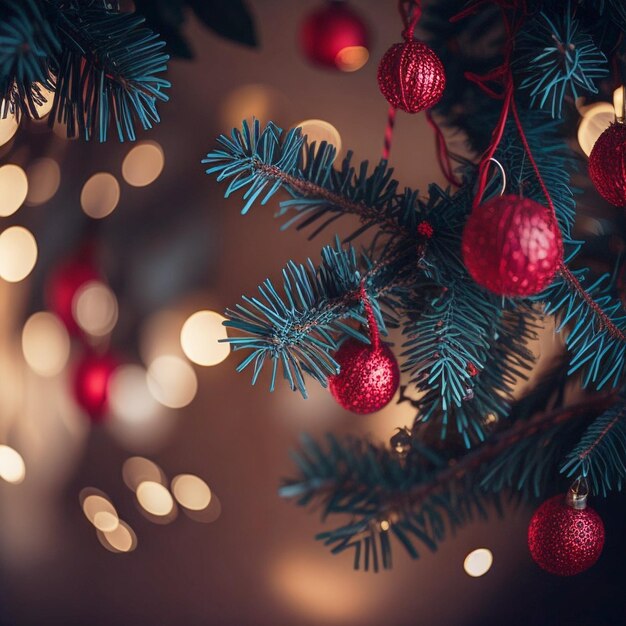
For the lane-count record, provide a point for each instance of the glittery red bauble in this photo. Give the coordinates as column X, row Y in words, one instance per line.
column 63, row 284
column 563, row 540
column 411, row 76
column 91, row 384
column 335, row 36
column 512, row 246
column 607, row 164
column 368, row 378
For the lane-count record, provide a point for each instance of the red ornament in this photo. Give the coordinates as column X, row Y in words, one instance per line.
column 91, row 383
column 63, row 284
column 335, row 36
column 512, row 246
column 564, row 540
column 607, row 164
column 368, row 379
column 411, row 76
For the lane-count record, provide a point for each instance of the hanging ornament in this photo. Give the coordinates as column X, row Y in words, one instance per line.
column 66, row 279
column 91, row 383
column 565, row 536
column 607, row 164
column 336, row 37
column 401, row 443
column 369, row 376
column 410, row 74
column 512, row 246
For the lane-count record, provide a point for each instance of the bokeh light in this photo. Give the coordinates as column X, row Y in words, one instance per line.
column 143, row 164
column 246, row 102
column 320, row 130
column 191, row 492
column 13, row 188
column 352, row 58
column 12, row 466
column 122, row 539
column 596, row 119
column 8, row 127
column 45, row 344
column 99, row 509
column 100, row 195
column 129, row 397
column 155, row 498
column 18, row 253
column 172, row 381
column 138, row 469
column 44, row 178
column 45, row 107
column 94, row 308
column 160, row 335
column 478, row 562
column 200, row 338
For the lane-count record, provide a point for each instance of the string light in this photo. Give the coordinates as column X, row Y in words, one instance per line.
column 45, row 344
column 172, row 381
column 155, row 498
column 143, row 164
column 18, row 254
column 200, row 338
column 478, row 562
column 191, row 492
column 94, row 308
column 13, row 189
column 138, row 469
column 100, row 195
column 129, row 397
column 12, row 466
column 120, row 540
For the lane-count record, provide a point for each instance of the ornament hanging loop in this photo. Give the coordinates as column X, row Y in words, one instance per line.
column 372, row 326
column 577, row 494
column 411, row 12
column 502, row 172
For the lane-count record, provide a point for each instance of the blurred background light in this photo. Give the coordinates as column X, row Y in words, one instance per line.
column 154, row 498
column 191, row 492
column 352, row 58
column 12, row 466
column 45, row 344
column 99, row 509
column 143, row 164
column 320, row 130
column 160, row 335
column 100, row 195
column 248, row 102
column 45, row 107
column 478, row 562
column 200, row 338
column 94, row 308
column 13, row 189
column 44, row 178
column 595, row 120
column 129, row 397
column 138, row 469
column 172, row 381
column 122, row 539
column 8, row 127
column 18, row 253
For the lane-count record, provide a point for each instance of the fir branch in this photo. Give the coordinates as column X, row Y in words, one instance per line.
column 600, row 453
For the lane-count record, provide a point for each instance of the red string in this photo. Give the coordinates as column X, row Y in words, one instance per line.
column 443, row 155
column 369, row 314
column 391, row 120
column 411, row 11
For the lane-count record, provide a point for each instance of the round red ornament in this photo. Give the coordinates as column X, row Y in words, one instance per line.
column 335, row 36
column 65, row 280
column 607, row 164
column 411, row 76
column 368, row 378
column 91, row 383
column 564, row 540
column 512, row 246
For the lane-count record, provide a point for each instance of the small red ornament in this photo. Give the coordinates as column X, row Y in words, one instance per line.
column 411, row 76
column 335, row 36
column 368, row 379
column 65, row 280
column 564, row 540
column 512, row 246
column 607, row 164
column 91, row 383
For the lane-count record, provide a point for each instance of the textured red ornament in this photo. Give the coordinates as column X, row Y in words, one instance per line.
column 368, row 379
column 563, row 540
column 91, row 383
column 331, row 29
column 607, row 164
column 411, row 76
column 512, row 246
column 63, row 284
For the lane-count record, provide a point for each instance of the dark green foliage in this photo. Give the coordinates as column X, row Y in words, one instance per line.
column 557, row 58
